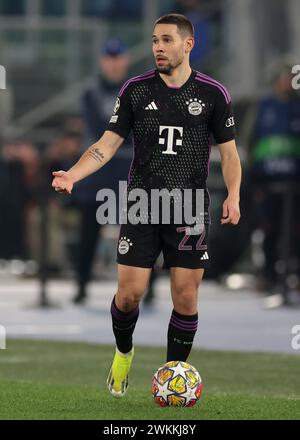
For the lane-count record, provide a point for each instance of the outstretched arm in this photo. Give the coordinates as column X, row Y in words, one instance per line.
column 94, row 158
column 232, row 172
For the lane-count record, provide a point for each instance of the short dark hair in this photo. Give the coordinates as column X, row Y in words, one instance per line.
column 184, row 25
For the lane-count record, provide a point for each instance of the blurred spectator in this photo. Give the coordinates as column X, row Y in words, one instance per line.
column 275, row 157
column 98, row 102
column 27, row 154
column 19, row 180
column 64, row 150
column 63, row 215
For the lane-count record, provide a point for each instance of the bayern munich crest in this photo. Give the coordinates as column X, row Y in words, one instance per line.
column 195, row 106
column 124, row 245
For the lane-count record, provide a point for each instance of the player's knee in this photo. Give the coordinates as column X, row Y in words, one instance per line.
column 185, row 299
column 126, row 305
column 185, row 291
column 128, row 297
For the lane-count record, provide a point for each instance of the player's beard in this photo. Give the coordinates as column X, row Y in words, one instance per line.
column 169, row 68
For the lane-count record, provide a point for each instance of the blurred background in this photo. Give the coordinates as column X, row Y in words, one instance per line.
column 65, row 61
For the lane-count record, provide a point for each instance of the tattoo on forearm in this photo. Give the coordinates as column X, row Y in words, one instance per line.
column 96, row 154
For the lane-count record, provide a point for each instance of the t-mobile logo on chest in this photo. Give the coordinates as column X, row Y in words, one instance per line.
column 170, row 138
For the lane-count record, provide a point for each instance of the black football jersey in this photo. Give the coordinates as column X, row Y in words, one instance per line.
column 172, row 129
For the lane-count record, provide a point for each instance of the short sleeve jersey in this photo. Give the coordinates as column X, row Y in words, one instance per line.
column 172, row 129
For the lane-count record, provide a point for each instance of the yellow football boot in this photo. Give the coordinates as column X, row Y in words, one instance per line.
column 117, row 380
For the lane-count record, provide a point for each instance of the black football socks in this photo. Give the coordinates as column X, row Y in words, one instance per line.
column 123, row 326
column 181, row 332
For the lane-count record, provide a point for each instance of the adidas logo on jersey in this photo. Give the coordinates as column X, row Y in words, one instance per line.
column 205, row 256
column 151, row 106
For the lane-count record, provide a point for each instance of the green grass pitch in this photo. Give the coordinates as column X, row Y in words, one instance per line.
column 65, row 380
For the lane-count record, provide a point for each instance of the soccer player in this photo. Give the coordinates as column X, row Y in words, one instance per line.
column 172, row 110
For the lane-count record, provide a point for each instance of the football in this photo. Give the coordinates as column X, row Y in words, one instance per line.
column 176, row 383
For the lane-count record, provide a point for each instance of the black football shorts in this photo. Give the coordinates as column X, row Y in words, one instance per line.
column 182, row 246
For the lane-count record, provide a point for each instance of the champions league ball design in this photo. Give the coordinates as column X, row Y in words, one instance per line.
column 176, row 384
